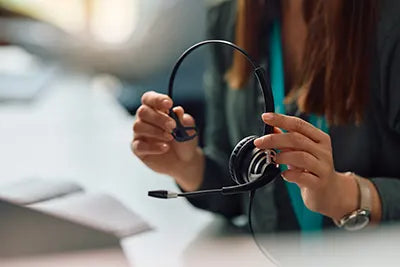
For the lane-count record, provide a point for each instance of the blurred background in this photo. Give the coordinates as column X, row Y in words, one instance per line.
column 129, row 46
column 72, row 74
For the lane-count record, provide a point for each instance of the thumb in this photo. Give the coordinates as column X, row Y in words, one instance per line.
column 188, row 121
column 184, row 118
column 185, row 150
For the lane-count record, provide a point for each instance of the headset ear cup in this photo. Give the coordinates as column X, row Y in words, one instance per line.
column 241, row 155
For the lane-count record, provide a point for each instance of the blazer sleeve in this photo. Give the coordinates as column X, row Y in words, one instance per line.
column 389, row 97
column 217, row 146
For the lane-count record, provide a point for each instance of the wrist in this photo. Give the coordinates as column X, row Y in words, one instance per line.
column 368, row 208
column 347, row 199
column 189, row 176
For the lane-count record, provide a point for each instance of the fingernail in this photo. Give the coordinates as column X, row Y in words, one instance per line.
column 166, row 103
column 164, row 146
column 258, row 142
column 283, row 177
column 168, row 136
column 170, row 125
column 267, row 116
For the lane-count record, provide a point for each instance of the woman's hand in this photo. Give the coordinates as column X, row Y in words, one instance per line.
column 155, row 146
column 308, row 153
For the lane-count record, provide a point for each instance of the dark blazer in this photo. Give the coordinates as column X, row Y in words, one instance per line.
column 371, row 149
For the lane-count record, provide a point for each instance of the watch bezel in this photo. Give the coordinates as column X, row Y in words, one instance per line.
column 356, row 220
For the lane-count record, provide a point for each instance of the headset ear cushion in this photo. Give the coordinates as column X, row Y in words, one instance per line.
column 237, row 160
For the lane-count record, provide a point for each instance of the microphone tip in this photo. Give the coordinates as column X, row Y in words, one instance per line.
column 164, row 194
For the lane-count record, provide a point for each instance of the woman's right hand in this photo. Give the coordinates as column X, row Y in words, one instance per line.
column 154, row 145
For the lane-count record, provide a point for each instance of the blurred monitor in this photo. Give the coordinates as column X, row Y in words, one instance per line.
column 24, row 76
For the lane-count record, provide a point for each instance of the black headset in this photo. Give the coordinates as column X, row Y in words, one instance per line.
column 250, row 167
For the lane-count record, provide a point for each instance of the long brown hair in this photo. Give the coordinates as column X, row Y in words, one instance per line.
column 333, row 77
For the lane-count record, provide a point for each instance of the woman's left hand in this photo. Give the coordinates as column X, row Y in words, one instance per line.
column 308, row 153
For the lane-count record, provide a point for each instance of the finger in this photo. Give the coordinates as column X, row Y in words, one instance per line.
column 301, row 160
column 155, row 118
column 294, row 124
column 277, row 130
column 179, row 111
column 302, row 179
column 186, row 119
column 157, row 101
column 289, row 167
column 291, row 140
column 142, row 148
column 143, row 129
column 190, row 145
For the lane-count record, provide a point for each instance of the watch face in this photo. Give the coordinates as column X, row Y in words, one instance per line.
column 357, row 221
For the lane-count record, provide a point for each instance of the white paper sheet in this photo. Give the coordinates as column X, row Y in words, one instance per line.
column 99, row 211
column 29, row 191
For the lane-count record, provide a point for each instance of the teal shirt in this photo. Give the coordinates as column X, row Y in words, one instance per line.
column 308, row 220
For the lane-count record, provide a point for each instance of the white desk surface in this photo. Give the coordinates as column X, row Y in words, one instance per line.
column 76, row 132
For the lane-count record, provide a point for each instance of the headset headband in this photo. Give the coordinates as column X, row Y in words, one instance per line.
column 258, row 71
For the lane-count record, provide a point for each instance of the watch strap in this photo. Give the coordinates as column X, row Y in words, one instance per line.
column 365, row 193
column 364, row 201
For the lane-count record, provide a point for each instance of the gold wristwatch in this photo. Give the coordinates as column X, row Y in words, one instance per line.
column 361, row 217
